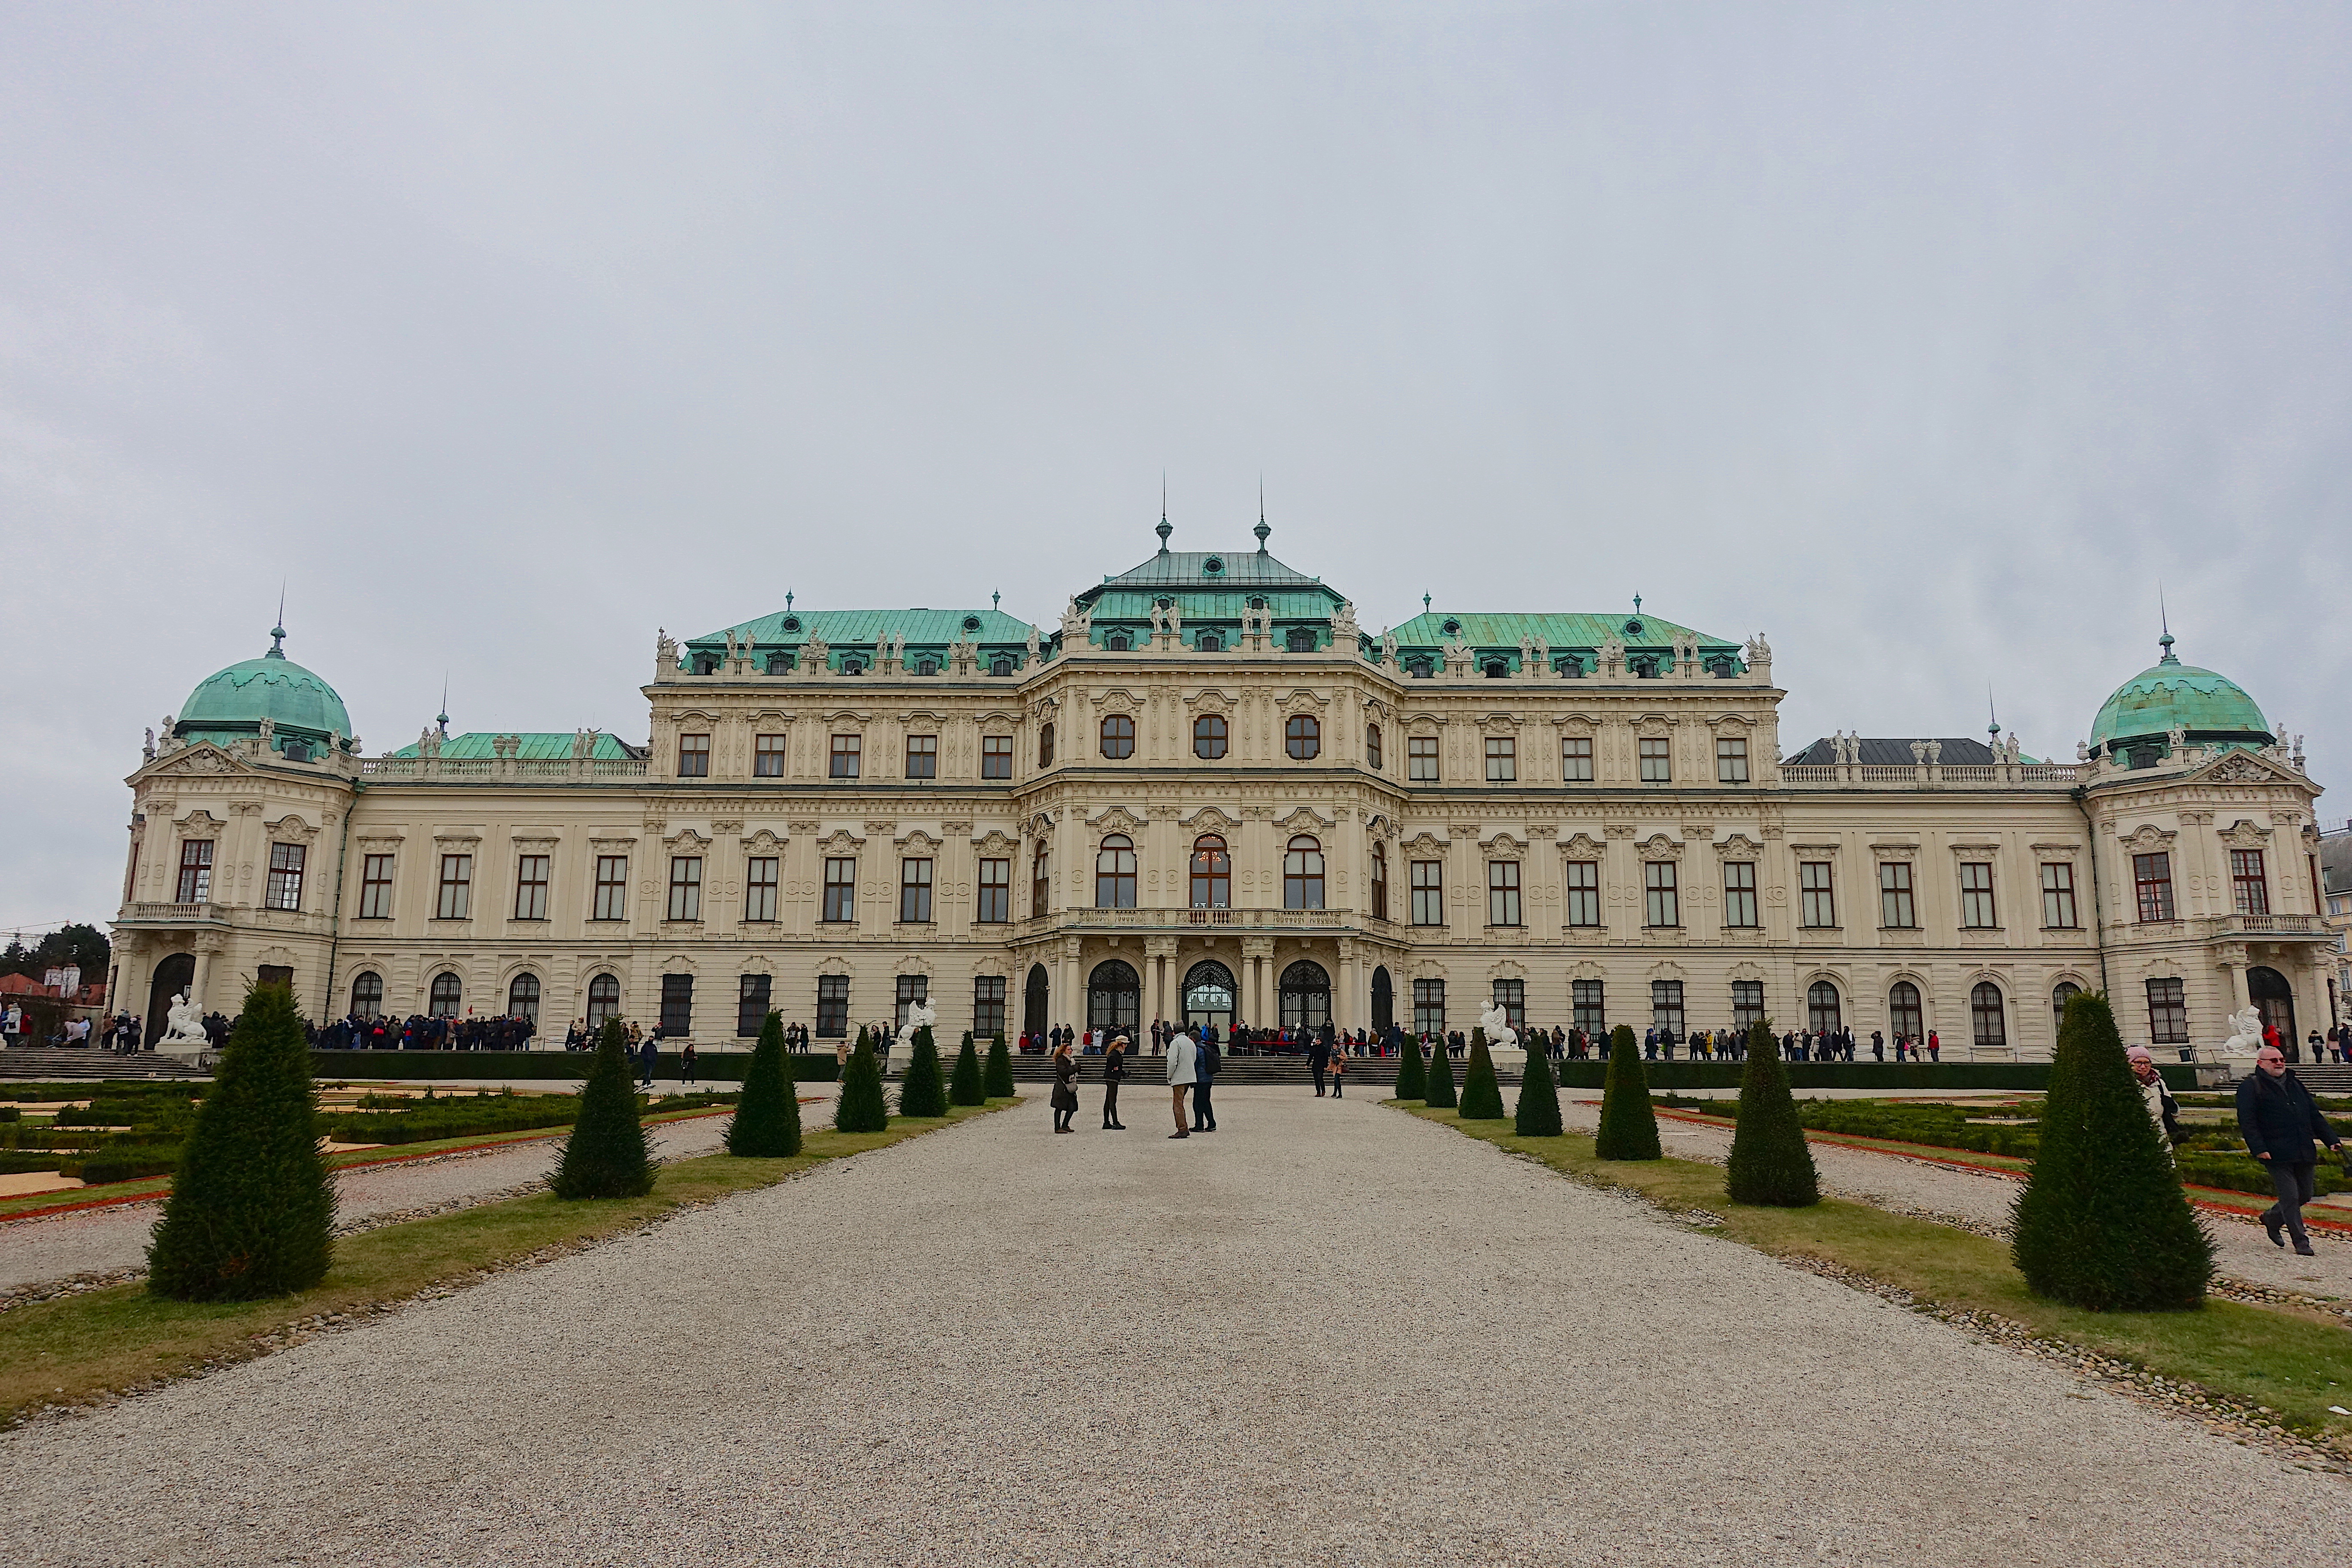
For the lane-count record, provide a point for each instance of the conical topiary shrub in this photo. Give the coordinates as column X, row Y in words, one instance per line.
column 963, row 1084
column 608, row 1154
column 1412, row 1073
column 2103, row 1223
column 1482, row 1096
column 1440, row 1092
column 996, row 1079
column 1770, row 1162
column 922, row 1093
column 766, row 1121
column 252, row 1210
column 861, row 1109
column 1629, row 1127
column 1539, row 1111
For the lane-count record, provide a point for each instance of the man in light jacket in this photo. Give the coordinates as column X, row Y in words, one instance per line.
column 1179, row 1078
column 2162, row 1108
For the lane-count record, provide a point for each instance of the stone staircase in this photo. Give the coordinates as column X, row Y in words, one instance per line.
column 56, row 1063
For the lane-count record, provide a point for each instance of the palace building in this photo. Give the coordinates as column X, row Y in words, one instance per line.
column 1208, row 794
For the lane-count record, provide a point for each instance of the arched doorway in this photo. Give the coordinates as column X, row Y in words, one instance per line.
column 1823, row 1015
column 1383, row 999
column 1208, row 995
column 173, row 975
column 2273, row 998
column 1114, row 994
column 1033, row 1002
column 1305, row 997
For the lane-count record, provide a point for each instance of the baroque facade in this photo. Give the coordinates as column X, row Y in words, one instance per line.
column 1209, row 794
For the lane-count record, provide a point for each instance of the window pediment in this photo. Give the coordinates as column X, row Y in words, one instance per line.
column 840, row 841
column 1302, row 700
column 1117, row 819
column 685, row 838
column 1425, row 844
column 1738, row 846
column 765, row 840
column 291, row 829
column 1210, row 817
column 2246, row 834
column 1304, row 818
column 200, row 824
column 915, row 840
column 994, row 842
column 1896, row 851
column 1658, row 846
column 1582, row 846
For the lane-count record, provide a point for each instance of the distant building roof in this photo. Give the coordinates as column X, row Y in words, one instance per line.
column 925, row 628
column 548, row 745
column 1959, row 752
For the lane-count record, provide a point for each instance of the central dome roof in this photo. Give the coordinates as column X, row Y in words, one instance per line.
column 2170, row 695
column 231, row 703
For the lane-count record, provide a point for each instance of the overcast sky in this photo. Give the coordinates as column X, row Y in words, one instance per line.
column 1925, row 340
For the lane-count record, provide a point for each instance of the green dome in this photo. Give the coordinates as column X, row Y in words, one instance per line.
column 231, row 704
column 2172, row 695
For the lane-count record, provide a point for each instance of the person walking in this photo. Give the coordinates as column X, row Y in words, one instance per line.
column 1114, row 1074
column 1318, row 1059
column 648, row 1058
column 2162, row 1108
column 1339, row 1075
column 1065, row 1093
column 685, row 1063
column 2279, row 1122
column 1180, row 1054
column 1205, row 1063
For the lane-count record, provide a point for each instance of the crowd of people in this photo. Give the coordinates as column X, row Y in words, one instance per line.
column 422, row 1032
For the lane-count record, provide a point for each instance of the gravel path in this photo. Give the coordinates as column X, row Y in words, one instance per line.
column 1329, row 1333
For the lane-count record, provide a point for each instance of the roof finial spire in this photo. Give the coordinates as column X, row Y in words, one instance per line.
column 1163, row 531
column 277, row 632
column 1261, row 529
column 788, row 601
column 443, row 717
column 2164, row 621
column 996, row 598
column 1992, row 715
column 1424, row 603
column 1637, row 603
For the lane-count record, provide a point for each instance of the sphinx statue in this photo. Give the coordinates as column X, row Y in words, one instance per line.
column 1496, row 1022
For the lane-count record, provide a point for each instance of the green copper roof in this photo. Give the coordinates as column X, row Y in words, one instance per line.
column 1567, row 629
column 863, row 628
column 232, row 703
column 541, row 745
column 2169, row 694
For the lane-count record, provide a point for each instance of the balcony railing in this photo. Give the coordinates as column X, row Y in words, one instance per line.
column 2218, row 926
column 1182, row 920
column 180, row 914
column 595, row 769
column 1934, row 775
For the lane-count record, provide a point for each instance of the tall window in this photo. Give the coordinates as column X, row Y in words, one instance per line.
column 197, row 871
column 1045, row 745
column 1747, row 1004
column 2152, row 879
column 2058, row 895
column 447, row 991
column 694, row 756
column 1429, row 892
column 987, row 1006
column 915, row 890
column 1420, row 758
column 995, row 892
column 522, row 997
column 1657, row 761
column 456, row 888
column 1502, row 758
column 1041, row 886
column 1977, row 911
column 1732, row 760
column 1429, row 1006
column 751, row 1009
column 603, row 1000
column 1822, row 1011
column 1584, row 892
column 367, row 994
column 1373, row 747
column 1209, row 737
column 996, row 756
column 1115, row 873
column 2249, row 888
column 2065, row 992
column 1117, row 737
column 911, row 989
column 1302, row 737
column 375, row 887
column 1502, row 892
column 1985, row 1013
column 2167, row 1012
column 686, row 887
column 1816, row 893
column 922, row 756
column 1576, row 759
column 1302, row 874
column 1587, row 1002
column 1380, row 882
column 1903, row 1014
column 1739, row 893
column 760, row 887
column 847, row 753
column 611, row 888
column 768, row 757
column 677, row 1005
column 284, row 890
column 840, row 887
column 1511, row 996
column 1664, row 901
column 1213, row 873
column 1666, row 1004
column 530, row 886
column 833, row 1006
column 1896, row 910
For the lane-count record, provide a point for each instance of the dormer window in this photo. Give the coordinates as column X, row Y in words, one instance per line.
column 792, row 623
column 972, row 623
column 1215, row 566
column 1497, row 669
column 1119, row 641
column 1645, row 665
column 1419, row 669
column 1570, row 668
column 927, row 665
column 1301, row 639
column 1210, row 642
column 852, row 664
column 298, row 751
column 1002, row 663
column 1452, row 627
column 1720, row 667
column 705, row 664
column 778, row 663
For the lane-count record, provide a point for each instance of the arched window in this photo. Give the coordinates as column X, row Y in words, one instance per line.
column 1822, row 1007
column 1002, row 663
column 1373, row 747
column 1119, row 641
column 1302, row 874
column 1305, row 995
column 1115, row 873
column 1903, row 1011
column 1208, row 993
column 1380, row 882
column 1209, row 642
column 1991, row 1028
column 603, row 1000
column 1117, row 737
column 1045, row 745
column 447, row 991
column 1300, row 639
column 2066, row 991
column 1209, row 737
column 1114, row 996
column 1498, row 669
column 367, row 994
column 522, row 997
column 1302, row 737
column 1213, row 873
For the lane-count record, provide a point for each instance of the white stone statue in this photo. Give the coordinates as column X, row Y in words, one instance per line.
column 185, row 1024
column 1612, row 656
column 1032, row 647
column 815, row 653
column 1175, row 617
column 2246, row 1033
column 1496, row 1022
column 921, row 1015
column 148, row 752
column 1389, row 649
column 1077, row 625
column 1343, row 624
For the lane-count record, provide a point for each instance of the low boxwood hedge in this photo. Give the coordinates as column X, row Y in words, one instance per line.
column 2031, row 1078
column 712, row 1066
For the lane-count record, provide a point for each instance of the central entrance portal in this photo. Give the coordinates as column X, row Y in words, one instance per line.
column 1209, row 995
column 1112, row 995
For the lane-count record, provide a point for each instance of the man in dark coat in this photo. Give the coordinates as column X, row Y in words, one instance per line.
column 2279, row 1122
column 1319, row 1059
column 1205, row 1068
column 649, row 1058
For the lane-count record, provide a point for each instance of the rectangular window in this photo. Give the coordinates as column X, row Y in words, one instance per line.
column 456, row 888
column 846, row 750
column 996, row 756
column 768, row 757
column 1816, row 893
column 915, row 890
column 375, row 887
column 1576, row 759
column 987, row 1006
column 611, row 888
column 750, row 1005
column 1511, row 996
column 1732, row 760
column 2152, row 879
column 531, row 872
column 833, row 1006
column 1977, row 911
column 922, row 756
column 1666, row 1004
column 1657, row 759
column 2167, row 1012
column 2058, row 895
column 760, row 887
column 1041, row 886
column 841, row 887
column 197, row 871
column 1429, row 892
column 1739, row 893
column 1429, row 1006
column 2248, row 886
column 1663, row 901
column 1896, row 910
column 284, row 889
column 1502, row 892
column 1420, row 758
column 1502, row 758
column 694, row 756
column 686, row 887
column 996, row 892
column 677, row 1005
column 1587, row 1001
column 1584, row 892
column 1747, row 1004
column 911, row 989
column 1379, row 885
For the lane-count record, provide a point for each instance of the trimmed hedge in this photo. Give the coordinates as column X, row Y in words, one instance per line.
column 767, row 1121
column 1482, row 1098
column 1537, row 1114
column 608, row 1154
column 1439, row 1092
column 1769, row 1162
column 996, row 1076
column 1629, row 1124
column 727, row 1067
column 1412, row 1073
column 2032, row 1077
